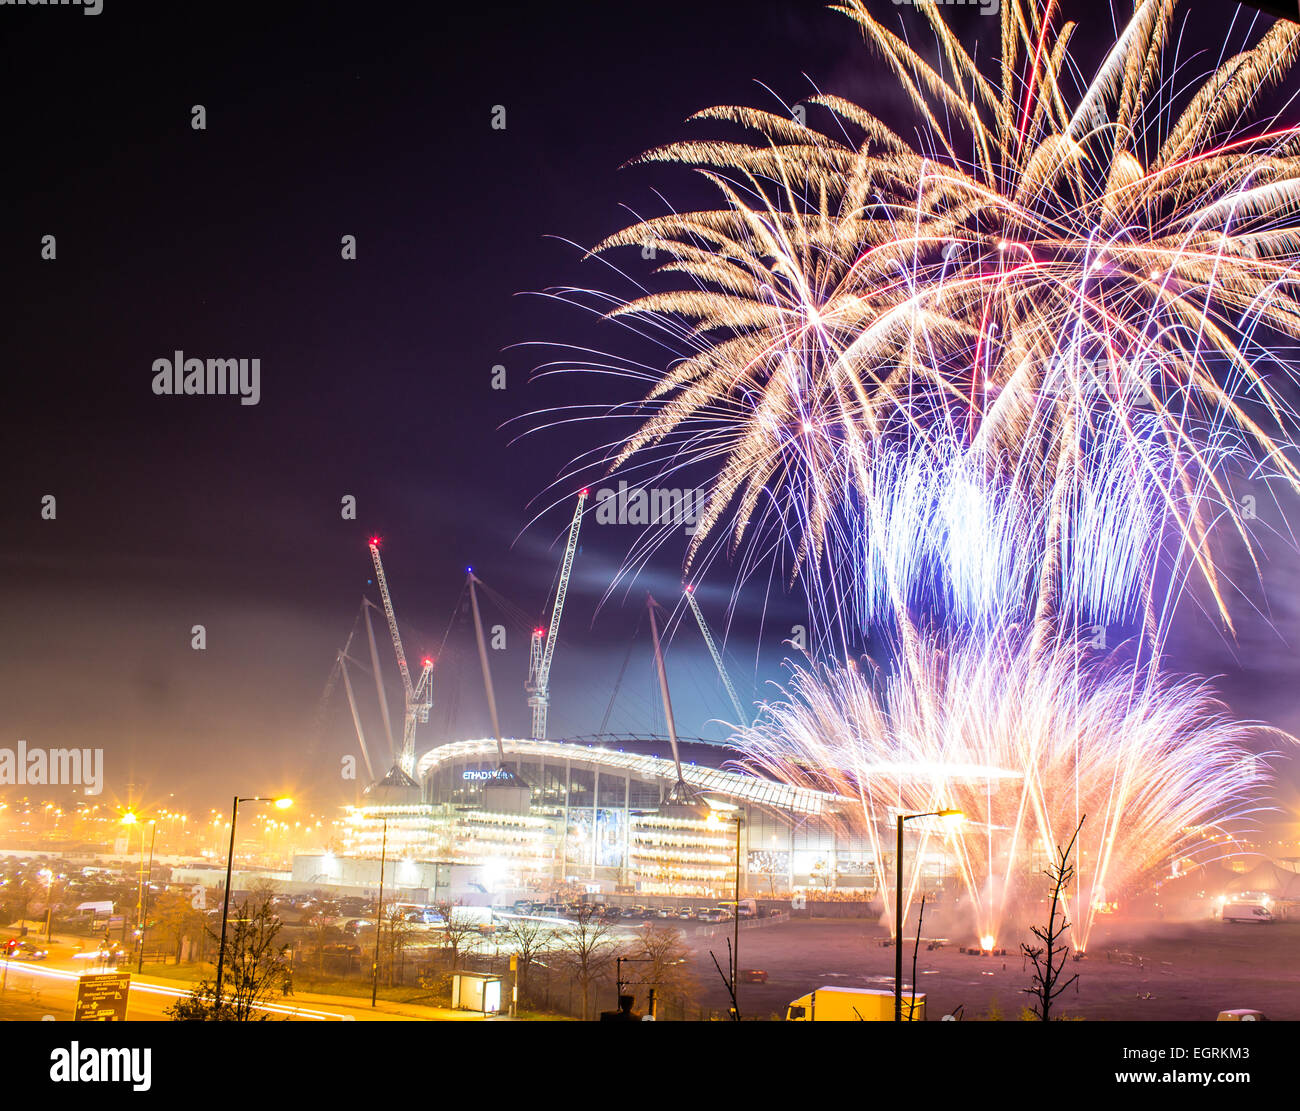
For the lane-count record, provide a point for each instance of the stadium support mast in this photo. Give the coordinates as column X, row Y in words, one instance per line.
column 541, row 650
column 419, row 696
column 681, row 799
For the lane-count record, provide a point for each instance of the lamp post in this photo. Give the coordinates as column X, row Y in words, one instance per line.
column 49, row 904
column 898, row 904
column 379, row 919
column 144, row 891
column 728, row 812
column 281, row 803
column 129, row 819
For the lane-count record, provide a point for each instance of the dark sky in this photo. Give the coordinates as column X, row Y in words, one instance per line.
column 372, row 120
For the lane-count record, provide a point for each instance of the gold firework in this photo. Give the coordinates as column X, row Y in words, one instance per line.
column 1047, row 262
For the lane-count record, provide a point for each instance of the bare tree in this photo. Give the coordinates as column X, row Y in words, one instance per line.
column 459, row 933
column 398, row 932
column 1049, row 958
column 587, row 949
column 916, row 949
column 322, row 931
column 254, row 964
column 176, row 919
column 669, row 969
column 729, row 979
column 529, row 937
column 18, row 893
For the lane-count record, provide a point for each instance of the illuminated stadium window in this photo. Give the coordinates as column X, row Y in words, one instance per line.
column 582, row 786
column 611, row 790
column 553, row 786
column 642, row 795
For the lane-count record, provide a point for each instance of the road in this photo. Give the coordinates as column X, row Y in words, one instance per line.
column 34, row 990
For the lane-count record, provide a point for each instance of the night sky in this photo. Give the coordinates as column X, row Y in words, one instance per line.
column 370, row 120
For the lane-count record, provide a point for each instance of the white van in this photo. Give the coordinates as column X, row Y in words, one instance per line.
column 1246, row 912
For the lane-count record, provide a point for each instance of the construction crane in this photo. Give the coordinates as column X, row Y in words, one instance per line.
column 419, row 696
column 541, row 650
column 741, row 717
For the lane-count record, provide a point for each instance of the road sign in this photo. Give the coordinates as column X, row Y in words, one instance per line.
column 101, row 997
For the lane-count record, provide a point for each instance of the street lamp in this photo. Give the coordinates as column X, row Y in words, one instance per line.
column 379, row 919
column 142, row 899
column 728, row 812
column 49, row 903
column 280, row 804
column 898, row 903
column 129, row 820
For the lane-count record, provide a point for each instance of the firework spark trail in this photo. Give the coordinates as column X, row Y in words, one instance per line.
column 979, row 403
column 1091, row 269
column 1012, row 740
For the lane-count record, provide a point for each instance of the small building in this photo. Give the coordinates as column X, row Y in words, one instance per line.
column 476, row 991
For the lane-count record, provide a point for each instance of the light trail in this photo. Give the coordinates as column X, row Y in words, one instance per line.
column 72, row 976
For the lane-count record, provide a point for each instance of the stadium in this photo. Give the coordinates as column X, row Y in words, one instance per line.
column 606, row 815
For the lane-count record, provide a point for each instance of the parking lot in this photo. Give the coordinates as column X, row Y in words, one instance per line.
column 1134, row 970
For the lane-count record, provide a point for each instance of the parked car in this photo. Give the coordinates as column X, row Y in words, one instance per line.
column 664, row 912
column 341, row 950
column 685, row 914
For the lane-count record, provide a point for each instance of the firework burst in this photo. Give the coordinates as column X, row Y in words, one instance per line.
column 987, row 384
column 1055, row 263
column 1024, row 743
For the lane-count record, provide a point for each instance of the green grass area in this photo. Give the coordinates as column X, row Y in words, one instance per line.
column 360, row 989
column 354, row 988
column 189, row 971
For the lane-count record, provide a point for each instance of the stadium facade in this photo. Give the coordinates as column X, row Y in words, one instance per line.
column 601, row 815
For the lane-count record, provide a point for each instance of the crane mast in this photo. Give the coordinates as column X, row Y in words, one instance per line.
column 741, row 717
column 419, row 696
column 542, row 651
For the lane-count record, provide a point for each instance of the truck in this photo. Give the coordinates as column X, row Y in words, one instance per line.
column 853, row 1005
column 1246, row 912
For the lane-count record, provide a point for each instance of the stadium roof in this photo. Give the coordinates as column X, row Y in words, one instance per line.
column 737, row 785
